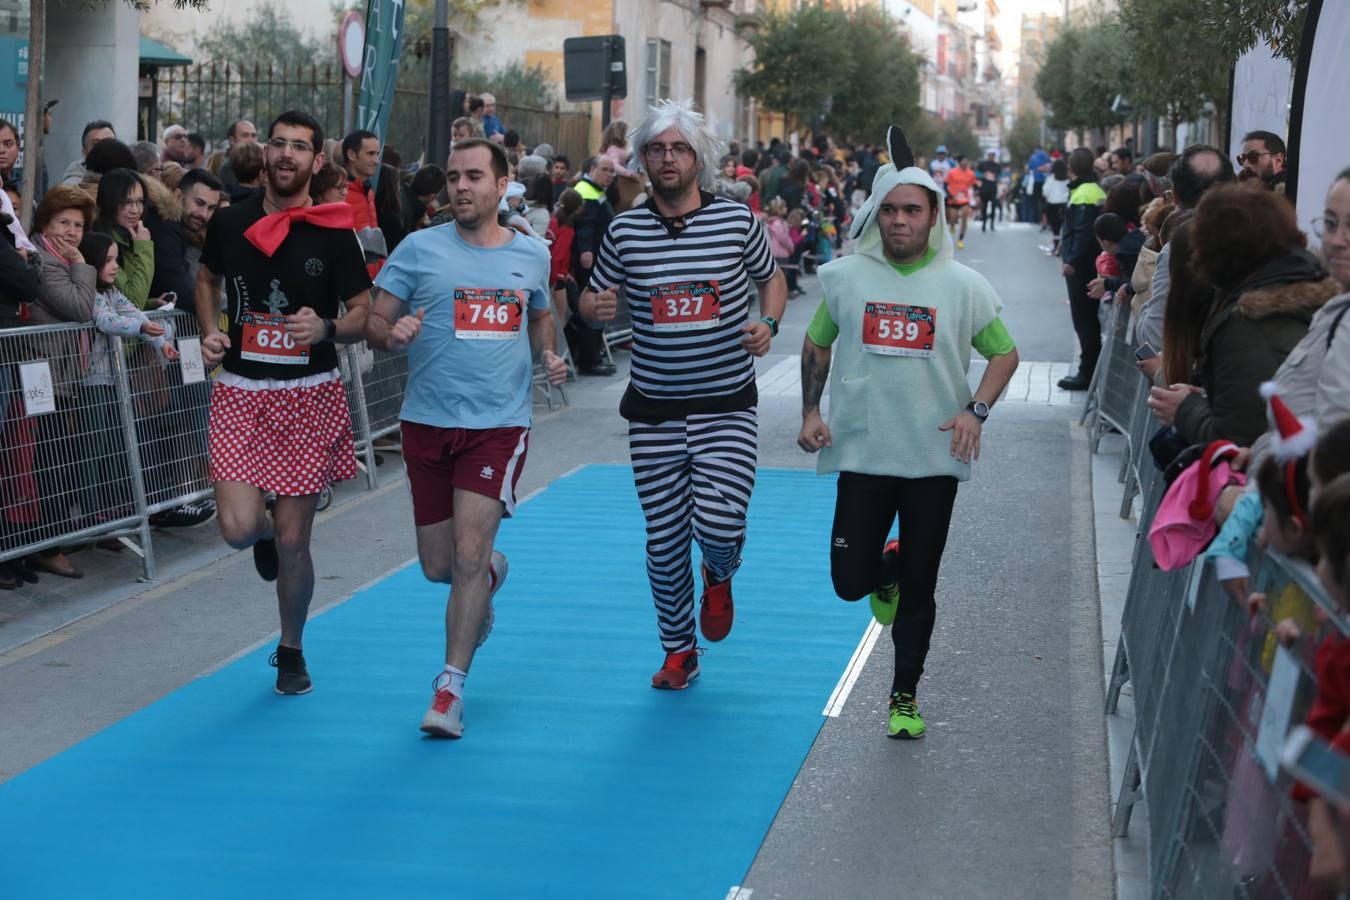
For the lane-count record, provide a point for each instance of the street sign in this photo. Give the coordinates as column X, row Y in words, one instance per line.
column 593, row 68
column 352, row 42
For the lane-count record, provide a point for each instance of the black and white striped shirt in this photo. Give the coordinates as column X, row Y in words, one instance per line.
column 687, row 353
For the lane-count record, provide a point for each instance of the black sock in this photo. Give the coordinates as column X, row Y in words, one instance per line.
column 289, row 656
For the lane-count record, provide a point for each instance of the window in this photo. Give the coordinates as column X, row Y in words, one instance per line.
column 658, row 70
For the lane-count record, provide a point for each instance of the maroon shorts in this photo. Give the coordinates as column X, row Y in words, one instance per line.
column 440, row 460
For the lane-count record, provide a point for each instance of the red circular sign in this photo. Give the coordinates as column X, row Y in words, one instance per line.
column 352, row 42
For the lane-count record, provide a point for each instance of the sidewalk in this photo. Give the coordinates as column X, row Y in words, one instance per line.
column 1115, row 551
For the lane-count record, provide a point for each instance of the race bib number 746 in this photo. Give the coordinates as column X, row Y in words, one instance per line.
column 895, row 329
column 488, row 314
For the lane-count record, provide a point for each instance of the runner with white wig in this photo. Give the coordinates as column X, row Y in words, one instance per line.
column 684, row 261
column 693, row 128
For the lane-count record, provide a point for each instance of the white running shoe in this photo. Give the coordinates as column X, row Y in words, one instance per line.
column 499, row 566
column 445, row 717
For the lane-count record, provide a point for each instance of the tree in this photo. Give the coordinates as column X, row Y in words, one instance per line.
column 1179, row 65
column 880, row 85
column 265, row 38
column 959, row 139
column 1054, row 82
column 1101, row 71
column 799, row 54
column 1024, row 136
column 514, row 84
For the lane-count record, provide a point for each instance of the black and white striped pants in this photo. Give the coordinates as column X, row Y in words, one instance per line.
column 694, row 477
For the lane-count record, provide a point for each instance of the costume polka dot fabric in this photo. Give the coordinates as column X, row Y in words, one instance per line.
column 292, row 441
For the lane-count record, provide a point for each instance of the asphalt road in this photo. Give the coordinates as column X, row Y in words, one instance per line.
column 1005, row 797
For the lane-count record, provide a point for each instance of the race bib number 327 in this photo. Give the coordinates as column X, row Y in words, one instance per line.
column 895, row 329
column 488, row 314
column 685, row 306
column 265, row 339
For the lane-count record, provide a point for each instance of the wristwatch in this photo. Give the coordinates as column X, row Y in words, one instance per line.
column 329, row 329
column 772, row 323
column 979, row 409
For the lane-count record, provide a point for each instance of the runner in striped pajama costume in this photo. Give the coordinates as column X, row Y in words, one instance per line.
column 685, row 261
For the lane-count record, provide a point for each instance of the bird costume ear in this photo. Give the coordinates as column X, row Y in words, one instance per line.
column 901, row 156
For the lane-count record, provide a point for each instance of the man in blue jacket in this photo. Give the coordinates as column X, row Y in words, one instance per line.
column 1078, row 249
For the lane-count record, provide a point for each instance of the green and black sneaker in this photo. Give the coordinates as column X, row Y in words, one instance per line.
column 904, row 723
column 885, row 600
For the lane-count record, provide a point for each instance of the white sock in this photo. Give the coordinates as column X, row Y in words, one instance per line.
column 457, row 677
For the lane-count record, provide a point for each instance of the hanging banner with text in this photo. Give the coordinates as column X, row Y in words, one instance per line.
column 379, row 70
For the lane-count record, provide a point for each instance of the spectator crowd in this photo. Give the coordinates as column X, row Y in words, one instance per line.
column 1238, row 329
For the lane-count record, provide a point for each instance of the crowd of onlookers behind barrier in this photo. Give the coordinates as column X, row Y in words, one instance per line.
column 1235, row 331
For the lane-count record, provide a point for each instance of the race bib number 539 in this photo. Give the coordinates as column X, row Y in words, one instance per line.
column 488, row 314
column 895, row 329
column 265, row 339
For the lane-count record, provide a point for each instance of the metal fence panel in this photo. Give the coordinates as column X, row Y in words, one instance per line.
column 65, row 471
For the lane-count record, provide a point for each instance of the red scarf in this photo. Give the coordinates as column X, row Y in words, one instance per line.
column 268, row 232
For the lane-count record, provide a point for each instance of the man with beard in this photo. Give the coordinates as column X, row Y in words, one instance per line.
column 685, row 260
column 279, row 421
column 902, row 316
column 1263, row 159
column 178, row 242
column 472, row 290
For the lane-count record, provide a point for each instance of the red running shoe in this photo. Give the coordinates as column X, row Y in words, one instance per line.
column 716, row 611
column 678, row 670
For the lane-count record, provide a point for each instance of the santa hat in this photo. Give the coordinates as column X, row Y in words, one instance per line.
column 1293, row 436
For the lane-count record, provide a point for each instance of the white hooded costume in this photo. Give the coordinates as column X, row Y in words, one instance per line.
column 904, row 340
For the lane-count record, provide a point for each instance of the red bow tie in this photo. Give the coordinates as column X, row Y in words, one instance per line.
column 268, row 232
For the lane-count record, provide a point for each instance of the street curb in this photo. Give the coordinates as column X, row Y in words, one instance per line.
column 1115, row 538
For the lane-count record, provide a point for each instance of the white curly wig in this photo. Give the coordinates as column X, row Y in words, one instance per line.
column 692, row 126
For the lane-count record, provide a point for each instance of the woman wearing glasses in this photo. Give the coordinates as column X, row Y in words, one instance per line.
column 121, row 210
column 1331, row 327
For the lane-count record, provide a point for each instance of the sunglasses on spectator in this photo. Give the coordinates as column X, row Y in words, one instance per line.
column 296, row 146
column 679, row 152
column 1327, row 226
column 1251, row 156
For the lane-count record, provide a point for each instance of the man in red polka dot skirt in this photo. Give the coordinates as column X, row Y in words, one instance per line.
column 279, row 421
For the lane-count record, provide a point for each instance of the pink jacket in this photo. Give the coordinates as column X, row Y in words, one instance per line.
column 780, row 236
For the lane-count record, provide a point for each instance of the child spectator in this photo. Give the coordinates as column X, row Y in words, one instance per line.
column 106, row 482
column 1110, row 230
column 780, row 241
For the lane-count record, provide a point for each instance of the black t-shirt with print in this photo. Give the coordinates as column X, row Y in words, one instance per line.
column 315, row 267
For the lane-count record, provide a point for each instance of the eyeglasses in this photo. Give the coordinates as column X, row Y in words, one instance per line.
column 138, row 203
column 1251, row 156
column 296, row 146
column 679, row 152
column 1327, row 226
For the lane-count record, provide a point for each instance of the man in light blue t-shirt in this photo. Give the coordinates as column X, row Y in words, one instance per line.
column 479, row 297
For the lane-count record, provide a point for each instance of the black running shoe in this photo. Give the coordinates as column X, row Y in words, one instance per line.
column 265, row 559
column 187, row 516
column 292, row 676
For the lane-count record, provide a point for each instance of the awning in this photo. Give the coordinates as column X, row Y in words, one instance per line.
column 153, row 53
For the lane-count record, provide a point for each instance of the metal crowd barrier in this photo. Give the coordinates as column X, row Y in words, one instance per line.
column 1204, row 754
column 94, row 444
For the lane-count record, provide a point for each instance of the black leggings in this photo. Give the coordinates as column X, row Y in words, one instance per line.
column 865, row 507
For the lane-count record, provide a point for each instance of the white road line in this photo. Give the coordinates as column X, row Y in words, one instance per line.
column 835, row 705
column 739, row 893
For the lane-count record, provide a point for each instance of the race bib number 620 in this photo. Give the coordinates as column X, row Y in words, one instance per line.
column 265, row 339
column 895, row 329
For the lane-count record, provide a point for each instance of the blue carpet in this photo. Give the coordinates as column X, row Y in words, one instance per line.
column 574, row 778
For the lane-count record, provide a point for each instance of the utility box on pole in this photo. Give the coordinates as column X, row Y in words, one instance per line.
column 593, row 69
